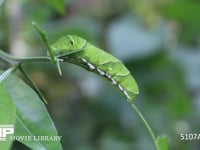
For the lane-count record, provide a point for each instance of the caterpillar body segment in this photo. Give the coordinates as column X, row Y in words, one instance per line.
column 68, row 45
column 98, row 61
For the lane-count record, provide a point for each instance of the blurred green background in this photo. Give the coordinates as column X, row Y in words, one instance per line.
column 159, row 42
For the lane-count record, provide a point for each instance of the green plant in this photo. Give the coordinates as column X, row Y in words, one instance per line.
column 71, row 49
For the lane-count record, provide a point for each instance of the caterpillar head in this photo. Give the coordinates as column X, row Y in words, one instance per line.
column 68, row 44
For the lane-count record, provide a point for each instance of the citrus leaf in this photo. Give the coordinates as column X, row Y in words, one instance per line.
column 7, row 116
column 59, row 5
column 32, row 118
column 6, row 73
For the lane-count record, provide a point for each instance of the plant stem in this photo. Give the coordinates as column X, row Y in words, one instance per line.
column 146, row 124
column 33, row 84
column 14, row 60
column 18, row 61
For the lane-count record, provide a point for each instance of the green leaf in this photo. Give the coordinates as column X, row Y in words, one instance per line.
column 59, row 5
column 162, row 143
column 7, row 115
column 32, row 118
column 6, row 73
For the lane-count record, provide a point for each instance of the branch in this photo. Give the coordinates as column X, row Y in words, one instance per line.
column 14, row 60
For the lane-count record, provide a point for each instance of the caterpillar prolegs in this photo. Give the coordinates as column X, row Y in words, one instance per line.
column 80, row 52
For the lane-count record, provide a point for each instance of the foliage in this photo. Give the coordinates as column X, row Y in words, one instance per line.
column 158, row 42
column 7, row 114
column 31, row 117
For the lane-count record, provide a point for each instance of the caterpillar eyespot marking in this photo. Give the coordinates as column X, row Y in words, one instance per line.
column 71, row 40
column 97, row 60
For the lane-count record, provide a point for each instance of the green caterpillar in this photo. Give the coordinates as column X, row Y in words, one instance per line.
column 78, row 51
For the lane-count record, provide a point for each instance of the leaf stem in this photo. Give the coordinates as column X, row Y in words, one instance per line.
column 32, row 83
column 146, row 124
